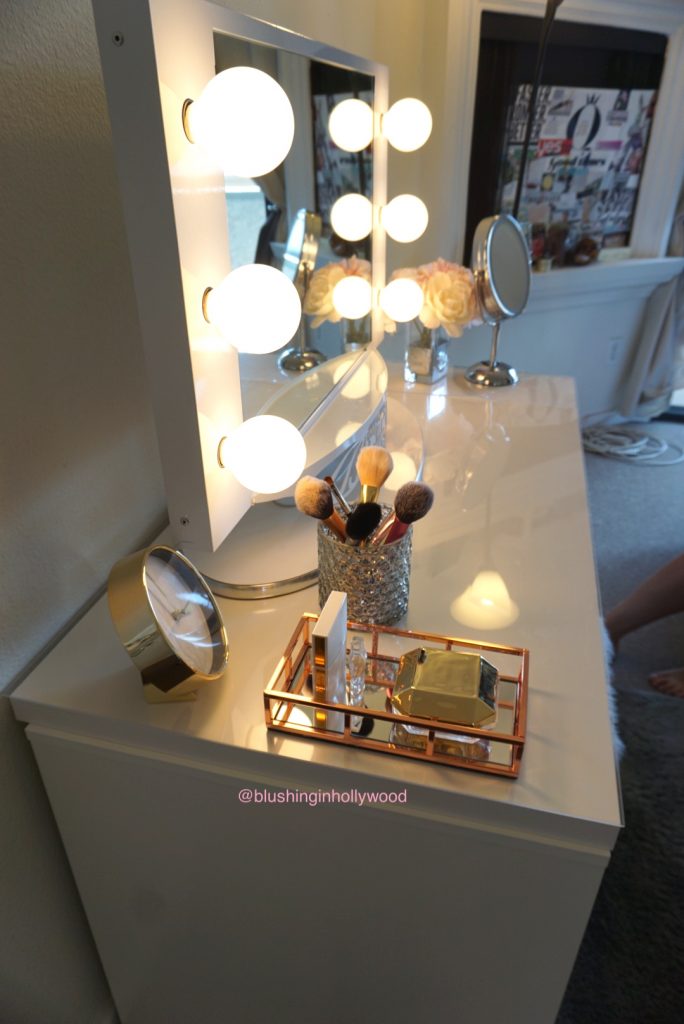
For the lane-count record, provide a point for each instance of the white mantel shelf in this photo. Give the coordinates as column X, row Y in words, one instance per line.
column 600, row 282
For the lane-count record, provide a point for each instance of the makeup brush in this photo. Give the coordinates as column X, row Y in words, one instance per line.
column 373, row 466
column 413, row 501
column 341, row 500
column 363, row 521
column 314, row 498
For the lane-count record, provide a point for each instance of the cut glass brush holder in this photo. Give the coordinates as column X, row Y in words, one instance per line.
column 375, row 577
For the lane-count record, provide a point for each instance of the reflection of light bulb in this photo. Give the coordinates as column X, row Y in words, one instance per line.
column 403, row 471
column 405, row 218
column 351, row 125
column 266, row 454
column 402, row 299
column 256, row 308
column 486, row 603
column 351, row 217
column 359, row 384
column 407, row 124
column 244, row 120
column 347, row 431
column 297, row 716
column 352, row 297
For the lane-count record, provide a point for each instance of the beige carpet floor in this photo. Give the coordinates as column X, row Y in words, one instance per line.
column 629, row 967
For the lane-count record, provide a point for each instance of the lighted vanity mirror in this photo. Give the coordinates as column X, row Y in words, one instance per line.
column 264, row 213
column 159, row 60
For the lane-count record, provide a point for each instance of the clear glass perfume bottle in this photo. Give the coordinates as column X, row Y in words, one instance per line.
column 356, row 679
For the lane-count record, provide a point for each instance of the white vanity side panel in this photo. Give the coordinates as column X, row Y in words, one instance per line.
column 204, row 909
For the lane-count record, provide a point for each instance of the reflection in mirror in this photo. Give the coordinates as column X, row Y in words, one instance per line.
column 501, row 265
column 509, row 268
column 265, row 212
column 299, row 263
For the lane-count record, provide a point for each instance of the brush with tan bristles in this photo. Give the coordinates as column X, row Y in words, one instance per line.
column 373, row 466
column 313, row 497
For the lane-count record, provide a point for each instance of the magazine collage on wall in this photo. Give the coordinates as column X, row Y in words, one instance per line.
column 583, row 168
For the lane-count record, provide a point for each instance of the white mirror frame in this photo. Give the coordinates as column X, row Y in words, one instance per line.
column 155, row 54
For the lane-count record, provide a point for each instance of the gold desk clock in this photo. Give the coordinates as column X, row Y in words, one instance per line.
column 168, row 621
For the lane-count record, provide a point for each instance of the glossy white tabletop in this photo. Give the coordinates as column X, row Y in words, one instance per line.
column 508, row 476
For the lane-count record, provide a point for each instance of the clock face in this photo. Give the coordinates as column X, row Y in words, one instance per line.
column 185, row 611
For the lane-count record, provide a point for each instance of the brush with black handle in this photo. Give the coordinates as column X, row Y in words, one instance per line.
column 362, row 521
column 341, row 500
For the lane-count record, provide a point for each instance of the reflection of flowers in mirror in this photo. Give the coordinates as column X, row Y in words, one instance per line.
column 318, row 301
column 449, row 296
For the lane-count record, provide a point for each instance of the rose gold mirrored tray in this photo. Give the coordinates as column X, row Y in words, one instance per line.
column 290, row 707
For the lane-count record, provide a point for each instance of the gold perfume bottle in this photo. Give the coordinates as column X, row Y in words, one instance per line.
column 448, row 685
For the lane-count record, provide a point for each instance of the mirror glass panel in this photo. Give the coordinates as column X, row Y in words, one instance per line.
column 509, row 265
column 261, row 212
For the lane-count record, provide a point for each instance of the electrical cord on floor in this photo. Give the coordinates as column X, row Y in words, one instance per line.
column 631, row 446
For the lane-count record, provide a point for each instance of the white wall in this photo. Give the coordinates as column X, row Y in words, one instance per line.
column 80, row 483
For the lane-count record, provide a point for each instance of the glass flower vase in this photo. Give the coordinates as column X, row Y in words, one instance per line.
column 355, row 334
column 427, row 359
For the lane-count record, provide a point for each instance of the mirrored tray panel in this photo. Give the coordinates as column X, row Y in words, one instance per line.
column 290, row 706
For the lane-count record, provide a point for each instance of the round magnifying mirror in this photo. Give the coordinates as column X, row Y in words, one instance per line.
column 299, row 262
column 501, row 266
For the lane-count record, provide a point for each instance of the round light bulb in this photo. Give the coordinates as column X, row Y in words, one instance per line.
column 256, row 308
column 266, row 454
column 351, row 217
column 405, row 218
column 352, row 297
column 358, row 385
column 346, row 431
column 403, row 471
column 351, row 125
column 402, row 299
column 244, row 120
column 407, row 124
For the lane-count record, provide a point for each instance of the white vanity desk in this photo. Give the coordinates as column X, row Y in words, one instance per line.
column 466, row 903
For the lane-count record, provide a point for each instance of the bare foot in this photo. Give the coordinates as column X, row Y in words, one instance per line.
column 670, row 682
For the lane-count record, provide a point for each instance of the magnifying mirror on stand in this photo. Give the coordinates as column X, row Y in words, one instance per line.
column 501, row 267
column 298, row 264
